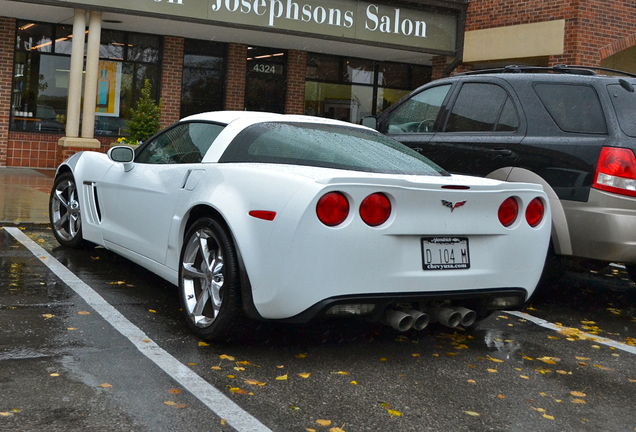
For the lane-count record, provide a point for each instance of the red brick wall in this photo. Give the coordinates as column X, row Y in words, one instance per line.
column 296, row 72
column 589, row 24
column 7, row 39
column 235, row 80
column 171, row 74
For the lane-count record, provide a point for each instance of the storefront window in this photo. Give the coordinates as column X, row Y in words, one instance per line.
column 202, row 87
column 349, row 89
column 265, row 80
column 41, row 77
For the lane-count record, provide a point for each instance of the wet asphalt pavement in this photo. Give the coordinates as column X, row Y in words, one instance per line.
column 64, row 367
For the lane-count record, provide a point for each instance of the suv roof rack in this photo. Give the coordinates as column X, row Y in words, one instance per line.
column 566, row 69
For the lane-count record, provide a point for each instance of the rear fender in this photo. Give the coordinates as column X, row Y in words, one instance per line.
column 560, row 232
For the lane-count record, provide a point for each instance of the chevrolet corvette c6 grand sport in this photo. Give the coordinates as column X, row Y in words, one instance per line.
column 258, row 216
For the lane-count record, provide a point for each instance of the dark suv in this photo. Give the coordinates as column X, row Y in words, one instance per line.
column 568, row 128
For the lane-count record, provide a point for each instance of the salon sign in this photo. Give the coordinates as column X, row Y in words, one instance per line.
column 358, row 21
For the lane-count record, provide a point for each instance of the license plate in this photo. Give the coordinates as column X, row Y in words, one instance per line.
column 445, row 253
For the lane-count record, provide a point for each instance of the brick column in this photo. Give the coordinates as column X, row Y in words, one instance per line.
column 171, row 77
column 7, row 48
column 296, row 72
column 235, row 81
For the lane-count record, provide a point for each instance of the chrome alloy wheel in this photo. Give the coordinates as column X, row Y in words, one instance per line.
column 65, row 210
column 202, row 277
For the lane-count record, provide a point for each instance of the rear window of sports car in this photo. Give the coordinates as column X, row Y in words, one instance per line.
column 327, row 146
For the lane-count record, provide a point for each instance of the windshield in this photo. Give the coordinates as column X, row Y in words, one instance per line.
column 328, row 146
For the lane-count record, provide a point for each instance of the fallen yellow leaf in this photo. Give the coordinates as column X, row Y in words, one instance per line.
column 492, row 370
column 238, row 390
column 203, row 344
column 496, row 360
column 47, row 316
column 394, row 413
column 83, row 313
column 174, row 391
column 501, row 396
column 216, row 367
column 603, row 367
column 323, row 422
column 336, row 429
column 5, row 414
column 354, row 383
column 105, row 385
column 301, row 356
column 343, row 373
column 472, row 413
column 578, row 394
column 226, row 357
column 54, row 374
column 472, row 381
column 304, row 375
column 549, row 417
column 152, row 310
column 174, row 404
column 254, row 382
column 281, row 378
column 578, row 401
column 583, row 358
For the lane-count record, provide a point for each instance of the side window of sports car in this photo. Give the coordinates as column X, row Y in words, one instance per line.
column 183, row 143
column 418, row 114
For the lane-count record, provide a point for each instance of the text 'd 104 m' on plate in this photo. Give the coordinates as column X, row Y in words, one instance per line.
column 445, row 253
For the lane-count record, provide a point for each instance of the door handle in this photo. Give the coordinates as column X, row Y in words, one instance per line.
column 500, row 152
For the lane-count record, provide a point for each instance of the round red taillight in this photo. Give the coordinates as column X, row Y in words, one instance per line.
column 375, row 209
column 332, row 208
column 508, row 211
column 535, row 212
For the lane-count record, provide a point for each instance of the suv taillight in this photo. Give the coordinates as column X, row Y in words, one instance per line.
column 616, row 171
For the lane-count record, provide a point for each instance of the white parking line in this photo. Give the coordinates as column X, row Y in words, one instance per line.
column 220, row 404
column 547, row 324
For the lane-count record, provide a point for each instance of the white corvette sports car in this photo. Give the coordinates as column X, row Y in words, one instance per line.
column 282, row 217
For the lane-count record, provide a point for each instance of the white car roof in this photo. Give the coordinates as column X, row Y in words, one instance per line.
column 250, row 117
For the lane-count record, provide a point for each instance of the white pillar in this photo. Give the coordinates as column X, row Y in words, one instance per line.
column 75, row 75
column 92, row 71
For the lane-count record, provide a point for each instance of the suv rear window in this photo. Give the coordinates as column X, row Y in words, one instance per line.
column 574, row 108
column 625, row 106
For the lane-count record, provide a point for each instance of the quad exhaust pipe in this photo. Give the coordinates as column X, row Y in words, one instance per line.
column 454, row 316
column 406, row 319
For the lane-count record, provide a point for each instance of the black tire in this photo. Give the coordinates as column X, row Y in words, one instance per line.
column 553, row 271
column 631, row 271
column 64, row 212
column 209, row 283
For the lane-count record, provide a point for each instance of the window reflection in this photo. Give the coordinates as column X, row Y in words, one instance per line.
column 349, row 89
column 41, row 76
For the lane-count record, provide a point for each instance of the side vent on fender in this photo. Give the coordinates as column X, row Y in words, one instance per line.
column 92, row 212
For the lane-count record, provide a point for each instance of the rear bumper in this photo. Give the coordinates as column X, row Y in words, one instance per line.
column 477, row 300
column 604, row 228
